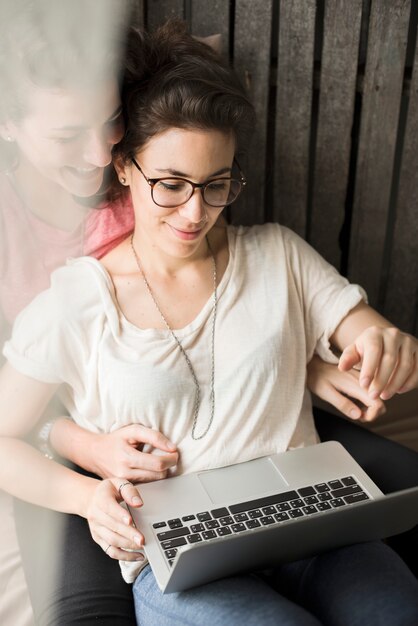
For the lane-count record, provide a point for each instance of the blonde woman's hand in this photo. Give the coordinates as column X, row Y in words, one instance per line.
column 388, row 359
column 120, row 453
column 111, row 525
column 342, row 390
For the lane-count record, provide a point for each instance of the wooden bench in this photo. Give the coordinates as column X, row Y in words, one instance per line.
column 335, row 152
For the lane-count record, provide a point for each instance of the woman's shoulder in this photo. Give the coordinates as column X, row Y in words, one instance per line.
column 77, row 292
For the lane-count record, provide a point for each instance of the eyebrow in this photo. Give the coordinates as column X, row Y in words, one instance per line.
column 114, row 115
column 223, row 170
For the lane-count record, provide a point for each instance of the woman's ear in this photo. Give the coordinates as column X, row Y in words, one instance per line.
column 123, row 171
column 6, row 132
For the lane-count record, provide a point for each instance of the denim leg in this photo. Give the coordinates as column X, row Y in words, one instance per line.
column 234, row 601
column 364, row 584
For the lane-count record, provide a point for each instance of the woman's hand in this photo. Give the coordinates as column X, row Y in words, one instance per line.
column 388, row 358
column 119, row 453
column 342, row 390
column 111, row 525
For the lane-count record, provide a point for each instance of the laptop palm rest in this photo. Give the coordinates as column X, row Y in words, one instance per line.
column 242, row 481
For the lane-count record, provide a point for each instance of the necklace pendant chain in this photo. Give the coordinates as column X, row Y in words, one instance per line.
column 182, row 350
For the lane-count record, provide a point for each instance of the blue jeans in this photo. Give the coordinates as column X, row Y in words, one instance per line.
column 365, row 584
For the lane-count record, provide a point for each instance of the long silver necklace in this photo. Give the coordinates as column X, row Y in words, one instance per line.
column 182, row 350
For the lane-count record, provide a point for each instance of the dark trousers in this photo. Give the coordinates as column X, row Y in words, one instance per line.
column 72, row 582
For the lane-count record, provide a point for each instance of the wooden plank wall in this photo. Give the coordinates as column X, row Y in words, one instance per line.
column 335, row 151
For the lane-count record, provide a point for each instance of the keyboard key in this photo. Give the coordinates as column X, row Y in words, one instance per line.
column 188, row 518
column 348, row 481
column 345, row 491
column 213, row 523
column 269, row 510
column 324, row 497
column 254, row 514
column 253, row 523
column 197, row 528
column 241, row 517
column 306, row 491
column 171, row 534
column 170, row 554
column 266, row 521
column 284, row 506
column 204, row 517
column 335, row 484
column 216, row 513
column 281, row 517
column 295, row 504
column 170, row 562
column 296, row 513
column 322, row 487
column 208, row 534
column 194, row 538
column 173, row 543
column 308, row 510
column 311, row 500
column 337, row 502
column 260, row 502
column 175, row 523
column 357, row 497
column 159, row 524
column 323, row 506
column 237, row 528
column 224, row 530
column 226, row 521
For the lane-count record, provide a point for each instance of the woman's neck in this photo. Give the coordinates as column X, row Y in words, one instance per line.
column 156, row 262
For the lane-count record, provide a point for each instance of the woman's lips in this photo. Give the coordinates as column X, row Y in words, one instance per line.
column 186, row 235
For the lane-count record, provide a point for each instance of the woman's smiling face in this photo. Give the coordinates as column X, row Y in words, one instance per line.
column 67, row 136
column 197, row 155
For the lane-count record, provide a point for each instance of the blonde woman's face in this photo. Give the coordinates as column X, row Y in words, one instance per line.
column 67, row 135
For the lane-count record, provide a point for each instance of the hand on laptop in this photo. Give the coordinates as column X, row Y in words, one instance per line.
column 388, row 358
column 342, row 389
column 111, row 525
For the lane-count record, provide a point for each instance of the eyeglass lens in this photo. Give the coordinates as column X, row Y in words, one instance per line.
column 174, row 192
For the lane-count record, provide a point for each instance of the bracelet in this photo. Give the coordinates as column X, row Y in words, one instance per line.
column 42, row 439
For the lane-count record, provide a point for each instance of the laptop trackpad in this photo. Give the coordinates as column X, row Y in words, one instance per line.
column 243, row 481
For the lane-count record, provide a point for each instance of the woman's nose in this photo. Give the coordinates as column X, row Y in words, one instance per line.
column 98, row 149
column 194, row 209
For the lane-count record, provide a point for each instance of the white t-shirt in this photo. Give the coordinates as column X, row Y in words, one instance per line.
column 278, row 303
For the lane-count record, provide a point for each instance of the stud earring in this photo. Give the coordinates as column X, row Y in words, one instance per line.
column 122, row 180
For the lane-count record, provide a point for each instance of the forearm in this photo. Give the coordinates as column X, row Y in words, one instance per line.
column 26, row 474
column 357, row 320
column 75, row 443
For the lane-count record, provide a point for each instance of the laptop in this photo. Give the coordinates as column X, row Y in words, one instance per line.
column 250, row 516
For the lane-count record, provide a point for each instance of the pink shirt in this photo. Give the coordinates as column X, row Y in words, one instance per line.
column 31, row 249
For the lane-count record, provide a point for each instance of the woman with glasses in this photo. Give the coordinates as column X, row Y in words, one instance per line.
column 202, row 332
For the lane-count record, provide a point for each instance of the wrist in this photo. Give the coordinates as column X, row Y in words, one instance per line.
column 43, row 438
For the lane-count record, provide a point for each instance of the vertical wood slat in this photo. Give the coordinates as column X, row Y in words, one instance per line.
column 211, row 19
column 401, row 301
column 137, row 12
column 379, row 119
column 342, row 23
column 252, row 63
column 159, row 11
column 293, row 112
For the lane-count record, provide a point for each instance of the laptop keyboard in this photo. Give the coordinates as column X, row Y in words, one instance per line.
column 247, row 516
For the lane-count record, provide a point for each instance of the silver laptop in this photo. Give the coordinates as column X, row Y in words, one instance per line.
column 215, row 523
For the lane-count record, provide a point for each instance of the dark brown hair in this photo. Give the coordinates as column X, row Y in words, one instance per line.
column 185, row 85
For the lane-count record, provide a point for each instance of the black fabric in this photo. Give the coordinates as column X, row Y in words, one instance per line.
column 391, row 466
column 85, row 587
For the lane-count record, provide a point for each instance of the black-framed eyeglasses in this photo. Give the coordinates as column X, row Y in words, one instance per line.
column 173, row 192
